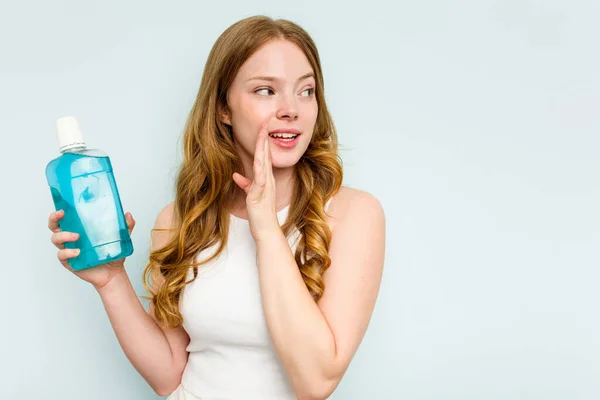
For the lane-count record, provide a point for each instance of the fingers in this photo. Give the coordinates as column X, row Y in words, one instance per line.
column 267, row 157
column 65, row 254
column 130, row 222
column 259, row 157
column 259, row 166
column 53, row 220
column 267, row 165
column 60, row 238
column 260, row 146
column 242, row 181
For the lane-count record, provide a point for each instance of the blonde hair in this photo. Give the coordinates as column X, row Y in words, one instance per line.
column 204, row 187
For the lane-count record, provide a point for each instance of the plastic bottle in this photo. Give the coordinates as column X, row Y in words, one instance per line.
column 82, row 184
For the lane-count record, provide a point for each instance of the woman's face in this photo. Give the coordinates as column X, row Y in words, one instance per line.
column 275, row 85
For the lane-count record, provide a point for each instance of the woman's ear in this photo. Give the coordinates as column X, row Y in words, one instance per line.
column 224, row 114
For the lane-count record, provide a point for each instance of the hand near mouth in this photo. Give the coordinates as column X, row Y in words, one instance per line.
column 260, row 192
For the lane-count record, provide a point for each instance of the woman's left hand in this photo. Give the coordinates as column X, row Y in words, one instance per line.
column 260, row 192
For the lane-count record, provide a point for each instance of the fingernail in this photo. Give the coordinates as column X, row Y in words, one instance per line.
column 77, row 251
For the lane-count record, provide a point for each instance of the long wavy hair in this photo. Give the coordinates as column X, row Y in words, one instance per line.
column 205, row 188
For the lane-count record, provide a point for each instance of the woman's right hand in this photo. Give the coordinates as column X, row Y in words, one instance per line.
column 100, row 275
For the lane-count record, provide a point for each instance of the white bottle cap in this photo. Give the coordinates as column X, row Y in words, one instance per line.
column 69, row 135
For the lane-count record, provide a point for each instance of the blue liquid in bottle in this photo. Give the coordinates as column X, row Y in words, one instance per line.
column 82, row 184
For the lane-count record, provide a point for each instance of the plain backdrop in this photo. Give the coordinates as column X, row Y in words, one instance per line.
column 475, row 123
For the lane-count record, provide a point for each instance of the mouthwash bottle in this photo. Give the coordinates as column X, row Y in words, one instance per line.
column 82, row 184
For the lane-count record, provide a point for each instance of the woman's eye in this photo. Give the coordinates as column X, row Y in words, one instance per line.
column 311, row 90
column 263, row 90
column 268, row 91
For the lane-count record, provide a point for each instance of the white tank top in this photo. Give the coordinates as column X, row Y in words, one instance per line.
column 231, row 355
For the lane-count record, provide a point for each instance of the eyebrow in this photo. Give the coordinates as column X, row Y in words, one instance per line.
column 273, row 78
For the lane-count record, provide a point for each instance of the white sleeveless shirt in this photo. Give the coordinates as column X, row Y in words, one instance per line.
column 231, row 355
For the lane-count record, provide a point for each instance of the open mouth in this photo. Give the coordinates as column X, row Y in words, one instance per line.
column 286, row 137
column 284, row 140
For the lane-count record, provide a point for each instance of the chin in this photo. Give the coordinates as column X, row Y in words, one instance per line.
column 282, row 161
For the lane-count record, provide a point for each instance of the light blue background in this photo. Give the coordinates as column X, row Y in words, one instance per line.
column 476, row 123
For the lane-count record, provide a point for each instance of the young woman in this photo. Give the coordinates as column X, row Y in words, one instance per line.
column 264, row 271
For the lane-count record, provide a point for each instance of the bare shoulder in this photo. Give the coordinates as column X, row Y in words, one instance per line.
column 165, row 218
column 163, row 227
column 351, row 203
column 160, row 235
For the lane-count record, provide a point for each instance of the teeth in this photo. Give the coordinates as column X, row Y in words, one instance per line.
column 283, row 135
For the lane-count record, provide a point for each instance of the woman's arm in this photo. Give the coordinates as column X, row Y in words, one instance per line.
column 158, row 354
column 316, row 341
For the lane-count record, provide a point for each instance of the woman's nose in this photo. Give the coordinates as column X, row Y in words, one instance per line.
column 287, row 108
